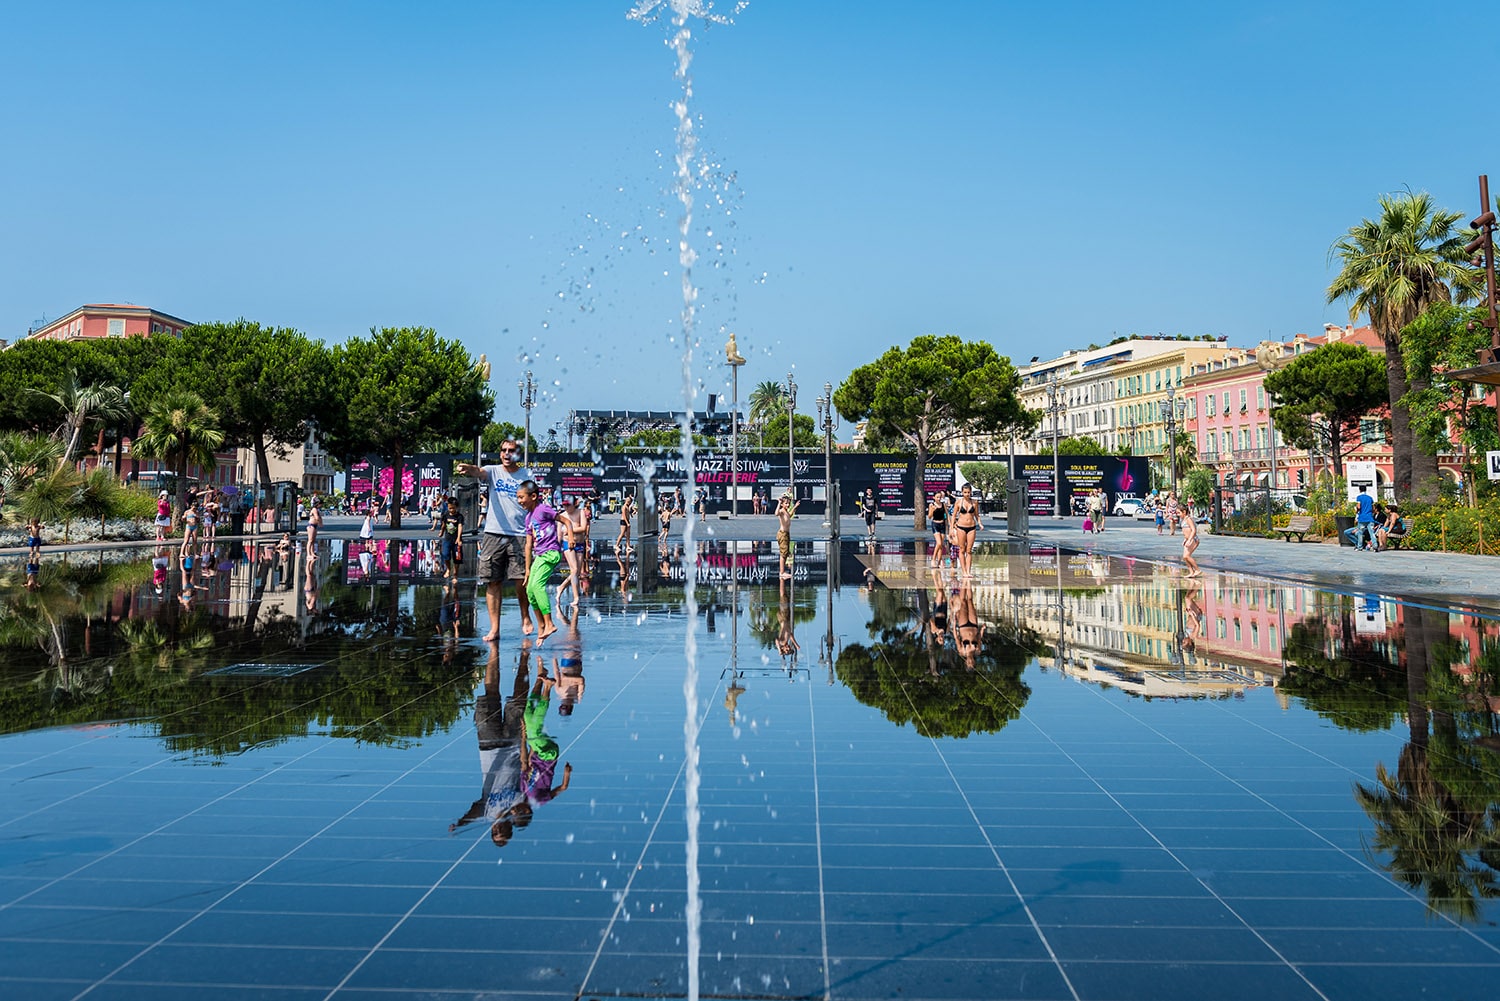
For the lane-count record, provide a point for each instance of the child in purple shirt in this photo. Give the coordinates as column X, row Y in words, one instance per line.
column 542, row 554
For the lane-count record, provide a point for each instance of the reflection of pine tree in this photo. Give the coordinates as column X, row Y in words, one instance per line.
column 1435, row 818
column 1356, row 686
column 381, row 676
column 912, row 679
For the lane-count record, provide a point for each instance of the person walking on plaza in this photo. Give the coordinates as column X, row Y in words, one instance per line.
column 502, row 557
column 937, row 514
column 1174, row 513
column 452, row 527
column 870, row 510
column 543, row 553
column 1189, row 546
column 314, row 525
column 966, row 525
column 627, row 511
column 785, row 509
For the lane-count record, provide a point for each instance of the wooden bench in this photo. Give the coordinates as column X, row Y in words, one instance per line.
column 1300, row 525
column 1393, row 539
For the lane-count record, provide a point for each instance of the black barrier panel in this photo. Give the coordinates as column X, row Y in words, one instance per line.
column 764, row 476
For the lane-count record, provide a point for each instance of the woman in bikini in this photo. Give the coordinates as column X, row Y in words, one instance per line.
column 966, row 525
column 937, row 513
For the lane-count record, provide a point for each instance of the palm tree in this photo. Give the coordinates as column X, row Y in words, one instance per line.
column 23, row 458
column 766, row 401
column 1393, row 268
column 181, row 429
column 84, row 405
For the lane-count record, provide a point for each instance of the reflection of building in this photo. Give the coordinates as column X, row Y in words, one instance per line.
column 307, row 465
column 1250, row 621
column 1124, row 631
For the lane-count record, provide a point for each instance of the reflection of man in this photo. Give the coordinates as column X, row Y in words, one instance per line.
column 500, row 740
column 502, row 547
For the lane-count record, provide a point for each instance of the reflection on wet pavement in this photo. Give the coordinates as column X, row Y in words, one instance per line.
column 1071, row 776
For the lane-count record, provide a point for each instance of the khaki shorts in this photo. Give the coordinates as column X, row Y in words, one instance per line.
column 501, row 557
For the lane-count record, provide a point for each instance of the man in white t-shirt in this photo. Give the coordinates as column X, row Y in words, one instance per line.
column 502, row 545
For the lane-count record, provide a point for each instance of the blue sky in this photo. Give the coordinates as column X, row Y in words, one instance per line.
column 1039, row 176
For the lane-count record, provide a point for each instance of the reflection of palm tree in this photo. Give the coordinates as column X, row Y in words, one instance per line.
column 1440, row 835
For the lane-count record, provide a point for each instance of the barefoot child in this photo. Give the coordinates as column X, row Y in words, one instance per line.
column 542, row 554
column 1189, row 544
column 33, row 540
column 785, row 508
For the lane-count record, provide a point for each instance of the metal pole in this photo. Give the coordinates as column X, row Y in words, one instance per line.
column 1054, row 405
column 734, row 441
column 791, row 454
column 528, row 400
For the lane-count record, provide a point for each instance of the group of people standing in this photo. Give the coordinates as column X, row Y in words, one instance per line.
column 955, row 523
column 525, row 539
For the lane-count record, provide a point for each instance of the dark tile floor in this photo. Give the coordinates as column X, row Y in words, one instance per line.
column 890, row 824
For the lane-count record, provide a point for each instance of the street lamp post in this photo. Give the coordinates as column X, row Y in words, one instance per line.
column 528, row 400
column 735, row 359
column 791, row 441
column 1055, row 408
column 829, row 424
column 1169, row 415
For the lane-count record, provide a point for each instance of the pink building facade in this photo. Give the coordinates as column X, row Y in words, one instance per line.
column 1229, row 417
column 106, row 319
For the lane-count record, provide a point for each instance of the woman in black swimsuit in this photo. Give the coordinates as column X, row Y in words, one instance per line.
column 966, row 525
column 937, row 513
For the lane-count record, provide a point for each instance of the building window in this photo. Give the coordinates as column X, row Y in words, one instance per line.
column 1244, row 400
column 1260, row 437
column 117, row 328
column 1371, row 431
column 1260, row 397
column 1209, row 402
column 1226, row 401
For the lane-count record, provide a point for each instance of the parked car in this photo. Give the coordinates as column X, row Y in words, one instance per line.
column 1127, row 507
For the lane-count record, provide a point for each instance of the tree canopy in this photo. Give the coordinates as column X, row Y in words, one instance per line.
column 1444, row 339
column 805, row 432
column 1392, row 268
column 404, row 385
column 1079, row 445
column 1322, row 396
column 266, row 384
column 935, row 390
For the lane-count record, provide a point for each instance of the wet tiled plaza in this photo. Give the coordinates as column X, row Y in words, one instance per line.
column 1071, row 777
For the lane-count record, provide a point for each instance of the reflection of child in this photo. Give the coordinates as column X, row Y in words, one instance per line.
column 33, row 575
column 539, row 758
column 159, row 569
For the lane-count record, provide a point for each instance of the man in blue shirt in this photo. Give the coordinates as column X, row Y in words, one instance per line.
column 1364, row 521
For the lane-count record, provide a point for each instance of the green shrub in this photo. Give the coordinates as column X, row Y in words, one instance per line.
column 135, row 504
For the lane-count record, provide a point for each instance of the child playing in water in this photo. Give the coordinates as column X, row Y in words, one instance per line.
column 34, row 540
column 543, row 553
